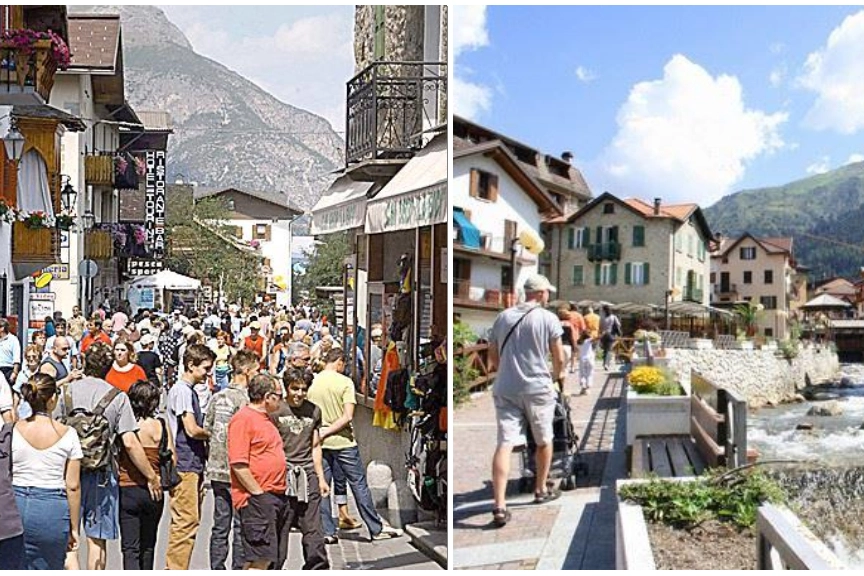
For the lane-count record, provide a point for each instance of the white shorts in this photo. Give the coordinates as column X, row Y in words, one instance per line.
column 515, row 413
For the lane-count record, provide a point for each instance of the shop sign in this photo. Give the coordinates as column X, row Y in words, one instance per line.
column 58, row 271
column 142, row 267
column 338, row 218
column 405, row 211
column 154, row 202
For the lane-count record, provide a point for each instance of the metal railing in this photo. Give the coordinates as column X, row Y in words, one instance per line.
column 604, row 251
column 389, row 105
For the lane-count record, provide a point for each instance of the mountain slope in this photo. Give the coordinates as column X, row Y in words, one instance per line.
column 227, row 130
column 828, row 206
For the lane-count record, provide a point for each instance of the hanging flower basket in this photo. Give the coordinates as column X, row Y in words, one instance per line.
column 24, row 42
column 65, row 221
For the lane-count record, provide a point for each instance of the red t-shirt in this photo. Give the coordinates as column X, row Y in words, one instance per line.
column 90, row 339
column 256, row 346
column 124, row 380
column 253, row 439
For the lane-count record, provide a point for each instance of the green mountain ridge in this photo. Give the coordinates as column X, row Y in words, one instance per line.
column 824, row 214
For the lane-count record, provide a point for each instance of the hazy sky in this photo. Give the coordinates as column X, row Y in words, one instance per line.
column 303, row 55
column 679, row 102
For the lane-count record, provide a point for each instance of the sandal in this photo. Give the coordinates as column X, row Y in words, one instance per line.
column 549, row 495
column 500, row 517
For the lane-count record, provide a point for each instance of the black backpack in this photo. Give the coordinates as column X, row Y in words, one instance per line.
column 396, row 393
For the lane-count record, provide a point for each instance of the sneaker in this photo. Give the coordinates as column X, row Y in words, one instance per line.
column 331, row 539
column 387, row 531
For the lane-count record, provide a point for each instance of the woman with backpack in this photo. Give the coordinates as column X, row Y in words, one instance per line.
column 139, row 513
column 46, row 458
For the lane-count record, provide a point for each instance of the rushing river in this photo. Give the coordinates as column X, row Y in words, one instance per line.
column 827, row 484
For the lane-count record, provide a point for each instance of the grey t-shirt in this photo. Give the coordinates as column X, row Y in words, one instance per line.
column 221, row 409
column 87, row 392
column 522, row 366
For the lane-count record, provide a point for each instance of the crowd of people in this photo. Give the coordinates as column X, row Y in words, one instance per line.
column 103, row 415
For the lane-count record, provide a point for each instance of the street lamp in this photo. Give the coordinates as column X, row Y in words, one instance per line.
column 68, row 194
column 14, row 141
column 88, row 220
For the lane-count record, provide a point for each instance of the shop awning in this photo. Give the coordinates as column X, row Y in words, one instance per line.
column 684, row 308
column 470, row 233
column 416, row 196
column 343, row 206
column 167, row 280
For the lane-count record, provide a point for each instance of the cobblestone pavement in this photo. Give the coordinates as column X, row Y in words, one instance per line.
column 354, row 551
column 577, row 531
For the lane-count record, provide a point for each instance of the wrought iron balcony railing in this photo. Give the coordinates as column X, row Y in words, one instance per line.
column 604, row 251
column 389, row 106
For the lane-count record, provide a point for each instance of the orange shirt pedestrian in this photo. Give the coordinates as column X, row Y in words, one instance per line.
column 254, row 440
column 89, row 339
column 124, row 380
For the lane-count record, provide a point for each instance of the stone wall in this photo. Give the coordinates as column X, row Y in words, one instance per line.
column 761, row 376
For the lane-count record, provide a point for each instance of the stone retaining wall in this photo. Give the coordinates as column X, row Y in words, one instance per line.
column 761, row 376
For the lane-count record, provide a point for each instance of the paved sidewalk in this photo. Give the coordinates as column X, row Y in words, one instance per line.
column 575, row 532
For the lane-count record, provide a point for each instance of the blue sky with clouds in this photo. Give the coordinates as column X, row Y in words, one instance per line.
column 683, row 103
column 303, row 55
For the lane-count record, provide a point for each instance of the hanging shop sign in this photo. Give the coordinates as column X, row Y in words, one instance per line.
column 143, row 267
column 405, row 211
column 154, row 202
column 338, row 218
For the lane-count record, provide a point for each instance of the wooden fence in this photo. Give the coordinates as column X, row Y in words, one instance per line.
column 477, row 356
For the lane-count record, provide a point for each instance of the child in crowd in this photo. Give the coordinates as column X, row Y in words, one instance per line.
column 586, row 361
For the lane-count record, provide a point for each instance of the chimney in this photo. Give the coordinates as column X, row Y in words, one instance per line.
column 656, row 206
column 567, row 156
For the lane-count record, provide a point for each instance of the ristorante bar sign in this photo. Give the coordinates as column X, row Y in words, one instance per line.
column 154, row 202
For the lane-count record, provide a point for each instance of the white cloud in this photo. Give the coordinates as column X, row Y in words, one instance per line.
column 820, row 166
column 777, row 48
column 778, row 75
column 585, row 75
column 469, row 99
column 687, row 137
column 468, row 28
column 305, row 62
column 853, row 158
column 468, row 32
column 835, row 73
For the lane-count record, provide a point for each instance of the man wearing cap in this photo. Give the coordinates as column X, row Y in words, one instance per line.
column 255, row 342
column 524, row 393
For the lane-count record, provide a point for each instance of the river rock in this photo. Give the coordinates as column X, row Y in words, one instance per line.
column 824, row 396
column 846, row 382
column 798, row 399
column 806, row 426
column 831, row 408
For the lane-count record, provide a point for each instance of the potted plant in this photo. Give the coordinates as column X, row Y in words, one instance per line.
column 657, row 403
column 65, row 220
column 36, row 220
column 8, row 213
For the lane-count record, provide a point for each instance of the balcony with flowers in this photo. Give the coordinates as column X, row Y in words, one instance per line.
column 29, row 59
column 35, row 239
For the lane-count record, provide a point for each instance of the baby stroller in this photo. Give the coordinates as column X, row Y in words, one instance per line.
column 567, row 463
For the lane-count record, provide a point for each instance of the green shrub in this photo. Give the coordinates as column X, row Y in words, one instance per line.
column 725, row 496
column 463, row 372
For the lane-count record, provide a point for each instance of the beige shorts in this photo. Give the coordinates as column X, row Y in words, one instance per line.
column 515, row 413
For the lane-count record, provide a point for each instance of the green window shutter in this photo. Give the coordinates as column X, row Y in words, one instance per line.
column 380, row 32
column 599, row 238
column 613, row 235
column 627, row 273
column 638, row 236
column 577, row 276
column 613, row 273
column 571, row 238
column 645, row 276
column 597, row 274
column 586, row 237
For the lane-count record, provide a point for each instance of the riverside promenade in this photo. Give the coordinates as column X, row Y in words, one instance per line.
column 575, row 532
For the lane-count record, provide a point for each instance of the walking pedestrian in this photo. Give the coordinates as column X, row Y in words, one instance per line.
column 592, row 323
column 72, row 359
column 222, row 368
column 139, row 513
column 54, row 363
column 100, row 414
column 334, row 394
column 11, row 527
column 299, row 422
column 32, row 360
column 186, row 421
column 46, row 459
column 149, row 360
column 94, row 334
column 77, row 324
column 124, row 372
column 524, row 390
column 586, row 362
column 223, row 406
column 258, row 475
column 610, row 330
column 10, row 352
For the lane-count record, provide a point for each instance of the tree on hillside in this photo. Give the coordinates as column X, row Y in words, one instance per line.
column 326, row 266
column 200, row 245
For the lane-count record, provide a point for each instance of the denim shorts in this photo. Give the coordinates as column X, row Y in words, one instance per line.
column 100, row 504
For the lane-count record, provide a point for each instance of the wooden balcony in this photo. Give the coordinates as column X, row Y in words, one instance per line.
column 467, row 296
column 30, row 75
column 34, row 246
column 98, row 245
column 99, row 170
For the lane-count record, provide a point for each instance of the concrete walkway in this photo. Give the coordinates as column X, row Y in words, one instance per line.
column 575, row 532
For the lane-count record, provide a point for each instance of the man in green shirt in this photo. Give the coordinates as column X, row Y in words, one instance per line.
column 333, row 393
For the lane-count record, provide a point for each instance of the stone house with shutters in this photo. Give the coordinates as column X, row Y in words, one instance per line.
column 627, row 250
column 762, row 271
column 262, row 221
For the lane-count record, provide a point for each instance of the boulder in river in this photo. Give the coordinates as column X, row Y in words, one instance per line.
column 806, row 426
column 846, row 382
column 831, row 408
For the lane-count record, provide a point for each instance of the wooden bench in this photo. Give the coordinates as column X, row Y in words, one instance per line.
column 718, row 436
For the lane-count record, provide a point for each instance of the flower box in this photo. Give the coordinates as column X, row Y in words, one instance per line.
column 649, row 415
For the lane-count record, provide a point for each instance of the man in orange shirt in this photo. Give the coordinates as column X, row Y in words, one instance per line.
column 577, row 322
column 94, row 334
column 255, row 342
column 258, row 475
